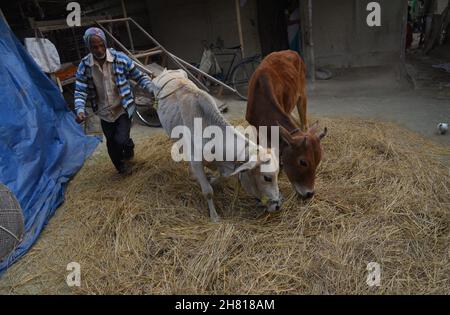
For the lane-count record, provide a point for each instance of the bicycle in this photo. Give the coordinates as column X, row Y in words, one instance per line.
column 145, row 109
column 239, row 71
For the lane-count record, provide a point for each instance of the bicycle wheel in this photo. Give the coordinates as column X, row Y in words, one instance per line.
column 145, row 111
column 241, row 76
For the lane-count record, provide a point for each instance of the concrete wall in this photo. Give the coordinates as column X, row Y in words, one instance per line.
column 342, row 37
column 181, row 25
column 138, row 11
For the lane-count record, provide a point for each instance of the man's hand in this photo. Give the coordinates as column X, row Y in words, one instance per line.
column 80, row 117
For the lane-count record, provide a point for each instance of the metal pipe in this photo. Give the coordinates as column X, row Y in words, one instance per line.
column 205, row 74
column 137, row 62
column 113, row 20
column 169, row 54
column 150, row 53
column 128, row 25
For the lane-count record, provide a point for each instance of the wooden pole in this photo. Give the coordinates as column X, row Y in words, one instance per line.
column 403, row 34
column 300, row 25
column 124, row 9
column 76, row 43
column 239, row 22
column 312, row 63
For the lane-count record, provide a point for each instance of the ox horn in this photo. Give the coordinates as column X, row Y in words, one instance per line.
column 285, row 135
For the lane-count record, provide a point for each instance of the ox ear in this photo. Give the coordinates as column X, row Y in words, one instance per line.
column 286, row 136
column 314, row 127
column 245, row 167
column 323, row 133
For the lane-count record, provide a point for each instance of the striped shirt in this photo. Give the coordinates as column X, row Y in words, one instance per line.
column 123, row 69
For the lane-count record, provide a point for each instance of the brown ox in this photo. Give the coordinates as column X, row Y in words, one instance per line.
column 275, row 89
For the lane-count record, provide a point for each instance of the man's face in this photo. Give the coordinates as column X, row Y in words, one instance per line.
column 98, row 48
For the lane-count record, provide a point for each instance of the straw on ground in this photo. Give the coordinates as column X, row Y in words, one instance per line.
column 382, row 195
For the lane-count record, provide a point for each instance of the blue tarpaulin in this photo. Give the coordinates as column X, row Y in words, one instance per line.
column 41, row 146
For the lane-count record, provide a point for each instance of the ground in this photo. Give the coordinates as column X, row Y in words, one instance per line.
column 379, row 94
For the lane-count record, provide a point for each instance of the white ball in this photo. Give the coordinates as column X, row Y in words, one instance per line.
column 443, row 128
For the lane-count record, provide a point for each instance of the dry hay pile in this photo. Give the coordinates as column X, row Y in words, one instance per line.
column 382, row 196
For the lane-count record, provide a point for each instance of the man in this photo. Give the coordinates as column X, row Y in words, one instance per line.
column 103, row 79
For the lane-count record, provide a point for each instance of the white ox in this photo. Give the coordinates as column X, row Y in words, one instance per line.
column 180, row 103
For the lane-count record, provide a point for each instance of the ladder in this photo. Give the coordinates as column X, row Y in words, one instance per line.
column 159, row 49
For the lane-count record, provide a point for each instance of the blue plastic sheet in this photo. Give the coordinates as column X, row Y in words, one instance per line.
column 41, row 146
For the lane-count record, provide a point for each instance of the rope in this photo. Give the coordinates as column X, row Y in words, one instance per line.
column 164, row 85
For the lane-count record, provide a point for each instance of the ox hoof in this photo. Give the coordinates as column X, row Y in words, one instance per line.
column 215, row 219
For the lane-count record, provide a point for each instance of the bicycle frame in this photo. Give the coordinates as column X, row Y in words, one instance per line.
column 237, row 53
column 231, row 66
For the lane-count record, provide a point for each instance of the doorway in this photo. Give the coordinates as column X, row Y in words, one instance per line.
column 279, row 25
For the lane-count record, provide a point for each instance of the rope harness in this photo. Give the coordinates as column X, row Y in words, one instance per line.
column 158, row 98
